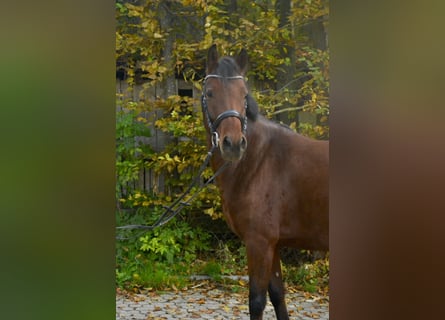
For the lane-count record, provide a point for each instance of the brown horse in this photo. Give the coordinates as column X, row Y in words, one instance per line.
column 275, row 189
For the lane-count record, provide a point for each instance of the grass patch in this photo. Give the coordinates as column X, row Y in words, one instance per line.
column 213, row 269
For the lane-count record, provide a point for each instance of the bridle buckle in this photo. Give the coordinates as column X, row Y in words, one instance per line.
column 215, row 139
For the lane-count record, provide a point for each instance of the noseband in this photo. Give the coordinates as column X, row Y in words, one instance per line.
column 213, row 125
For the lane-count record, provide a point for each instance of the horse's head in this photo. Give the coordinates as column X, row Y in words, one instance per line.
column 225, row 103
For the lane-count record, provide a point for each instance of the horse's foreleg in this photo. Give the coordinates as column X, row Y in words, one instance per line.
column 259, row 259
column 276, row 288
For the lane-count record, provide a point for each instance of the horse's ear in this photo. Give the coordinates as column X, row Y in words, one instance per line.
column 241, row 60
column 252, row 108
column 212, row 59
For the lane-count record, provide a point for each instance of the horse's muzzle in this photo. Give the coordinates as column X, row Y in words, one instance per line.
column 233, row 151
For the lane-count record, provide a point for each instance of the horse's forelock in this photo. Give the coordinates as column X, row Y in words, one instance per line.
column 227, row 67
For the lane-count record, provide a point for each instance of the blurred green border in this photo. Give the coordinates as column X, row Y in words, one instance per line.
column 57, row 97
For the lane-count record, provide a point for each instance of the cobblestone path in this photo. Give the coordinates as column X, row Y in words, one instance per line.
column 212, row 303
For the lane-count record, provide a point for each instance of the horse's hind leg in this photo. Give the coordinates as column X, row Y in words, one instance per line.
column 259, row 258
column 276, row 288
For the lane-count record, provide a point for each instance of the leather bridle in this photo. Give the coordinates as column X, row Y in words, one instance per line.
column 213, row 125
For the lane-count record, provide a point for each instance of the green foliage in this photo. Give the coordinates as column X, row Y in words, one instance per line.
column 315, row 91
column 232, row 256
column 160, row 258
column 177, row 242
column 130, row 152
column 309, row 277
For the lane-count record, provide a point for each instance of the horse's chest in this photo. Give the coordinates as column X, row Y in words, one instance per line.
column 232, row 221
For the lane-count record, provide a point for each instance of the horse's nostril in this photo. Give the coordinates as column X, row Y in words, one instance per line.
column 227, row 142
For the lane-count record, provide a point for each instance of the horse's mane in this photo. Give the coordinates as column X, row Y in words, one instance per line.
column 273, row 123
column 285, row 126
column 252, row 108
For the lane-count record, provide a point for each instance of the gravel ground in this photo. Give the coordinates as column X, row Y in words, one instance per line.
column 212, row 303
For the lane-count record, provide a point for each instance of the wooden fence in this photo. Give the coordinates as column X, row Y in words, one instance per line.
column 148, row 179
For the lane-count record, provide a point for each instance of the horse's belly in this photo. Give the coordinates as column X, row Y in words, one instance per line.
column 313, row 236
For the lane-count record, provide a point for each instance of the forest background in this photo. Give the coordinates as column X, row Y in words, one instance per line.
column 160, row 139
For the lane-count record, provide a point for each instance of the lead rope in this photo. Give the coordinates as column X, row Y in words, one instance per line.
column 170, row 212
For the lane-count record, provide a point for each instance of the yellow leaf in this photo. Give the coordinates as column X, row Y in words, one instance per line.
column 157, row 35
column 198, row 85
column 162, row 69
column 241, row 282
column 142, row 119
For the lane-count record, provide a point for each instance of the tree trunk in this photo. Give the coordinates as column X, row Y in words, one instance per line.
column 232, row 12
column 286, row 73
column 166, row 21
column 168, row 86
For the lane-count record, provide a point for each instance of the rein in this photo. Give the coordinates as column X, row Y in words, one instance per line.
column 170, row 212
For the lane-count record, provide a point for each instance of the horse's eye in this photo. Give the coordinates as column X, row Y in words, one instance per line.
column 209, row 93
